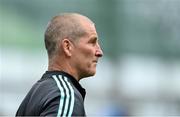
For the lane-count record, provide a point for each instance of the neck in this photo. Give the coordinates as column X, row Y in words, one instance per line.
column 56, row 65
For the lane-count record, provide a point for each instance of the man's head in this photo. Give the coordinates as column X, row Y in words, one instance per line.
column 71, row 41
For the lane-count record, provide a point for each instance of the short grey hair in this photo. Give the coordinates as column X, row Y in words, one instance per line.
column 66, row 25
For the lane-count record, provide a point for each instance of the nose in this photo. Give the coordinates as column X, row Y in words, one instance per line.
column 99, row 52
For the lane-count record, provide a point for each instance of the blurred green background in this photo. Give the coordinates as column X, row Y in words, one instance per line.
column 139, row 73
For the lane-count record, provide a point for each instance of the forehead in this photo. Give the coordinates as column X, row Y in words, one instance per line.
column 87, row 25
column 90, row 28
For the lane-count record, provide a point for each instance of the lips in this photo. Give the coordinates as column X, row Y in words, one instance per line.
column 95, row 61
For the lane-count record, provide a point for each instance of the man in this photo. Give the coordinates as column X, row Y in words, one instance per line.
column 73, row 51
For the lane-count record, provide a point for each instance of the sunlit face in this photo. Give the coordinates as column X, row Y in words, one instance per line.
column 86, row 53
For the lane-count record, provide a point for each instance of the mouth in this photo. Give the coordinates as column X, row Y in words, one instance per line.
column 95, row 61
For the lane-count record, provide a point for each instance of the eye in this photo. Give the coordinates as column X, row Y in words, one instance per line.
column 93, row 41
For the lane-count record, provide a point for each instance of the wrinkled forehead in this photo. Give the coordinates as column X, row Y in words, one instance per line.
column 88, row 26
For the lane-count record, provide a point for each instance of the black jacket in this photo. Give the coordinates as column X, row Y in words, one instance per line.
column 55, row 94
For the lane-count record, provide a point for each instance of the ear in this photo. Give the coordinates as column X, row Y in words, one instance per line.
column 67, row 47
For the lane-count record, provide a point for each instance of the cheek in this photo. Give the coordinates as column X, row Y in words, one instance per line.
column 88, row 53
column 87, row 60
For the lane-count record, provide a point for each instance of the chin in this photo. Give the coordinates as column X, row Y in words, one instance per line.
column 92, row 73
column 89, row 74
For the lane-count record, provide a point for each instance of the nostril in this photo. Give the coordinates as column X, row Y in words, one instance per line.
column 99, row 53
